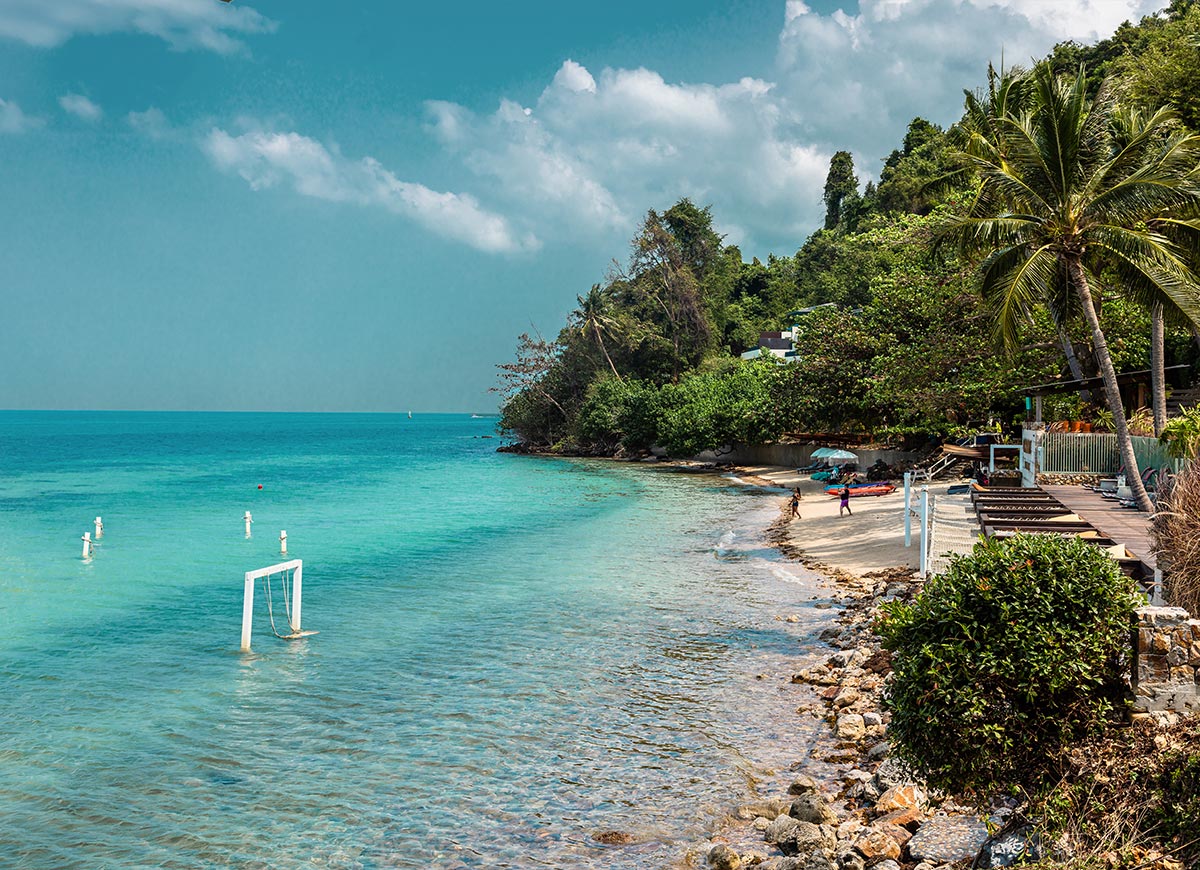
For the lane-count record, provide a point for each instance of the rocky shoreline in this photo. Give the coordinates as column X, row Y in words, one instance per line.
column 874, row 815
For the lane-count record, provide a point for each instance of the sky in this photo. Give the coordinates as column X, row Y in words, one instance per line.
column 296, row 205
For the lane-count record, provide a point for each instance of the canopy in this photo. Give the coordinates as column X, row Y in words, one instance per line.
column 842, row 456
column 822, row 452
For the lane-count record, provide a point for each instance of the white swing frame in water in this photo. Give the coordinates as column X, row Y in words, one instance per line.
column 296, row 566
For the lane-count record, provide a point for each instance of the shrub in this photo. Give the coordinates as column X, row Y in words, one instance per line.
column 1177, row 538
column 1005, row 659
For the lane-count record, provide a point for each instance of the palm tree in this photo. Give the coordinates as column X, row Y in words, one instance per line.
column 1059, row 201
column 594, row 318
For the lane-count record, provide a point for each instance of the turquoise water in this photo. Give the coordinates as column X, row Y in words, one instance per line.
column 514, row 653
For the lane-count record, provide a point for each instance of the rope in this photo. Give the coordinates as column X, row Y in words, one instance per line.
column 270, row 611
column 285, row 582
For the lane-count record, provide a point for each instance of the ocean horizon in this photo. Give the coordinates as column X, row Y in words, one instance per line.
column 515, row 654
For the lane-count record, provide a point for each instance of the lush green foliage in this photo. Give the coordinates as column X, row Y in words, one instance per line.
column 905, row 347
column 1006, row 658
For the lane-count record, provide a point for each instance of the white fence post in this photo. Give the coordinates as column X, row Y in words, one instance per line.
column 926, row 531
column 248, row 520
column 99, row 529
column 87, row 545
column 282, row 542
column 297, row 578
column 908, row 508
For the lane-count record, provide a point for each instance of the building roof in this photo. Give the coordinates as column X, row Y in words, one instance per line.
column 1138, row 377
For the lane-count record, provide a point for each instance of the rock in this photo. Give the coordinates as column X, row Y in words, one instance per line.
column 769, row 808
column 721, row 857
column 851, row 861
column 779, row 864
column 874, row 844
column 812, row 808
column 901, row 797
column 840, row 659
column 803, row 784
column 780, row 830
column 761, row 823
column 880, row 750
column 846, row 697
column 1006, row 850
column 613, row 838
column 847, row 829
column 816, row 860
column 910, row 819
column 947, row 839
column 891, row 773
column 886, row 865
column 897, row 833
column 850, row 726
column 871, row 719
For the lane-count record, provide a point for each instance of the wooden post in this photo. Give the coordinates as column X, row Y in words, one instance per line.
column 248, row 520
column 87, row 545
column 297, row 580
column 282, row 542
column 99, row 529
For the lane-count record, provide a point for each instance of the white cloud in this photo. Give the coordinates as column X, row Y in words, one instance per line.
column 598, row 148
column 81, row 107
column 594, row 152
column 267, row 159
column 13, row 120
column 184, row 24
column 151, row 123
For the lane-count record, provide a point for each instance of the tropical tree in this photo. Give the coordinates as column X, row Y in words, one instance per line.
column 1059, row 202
column 594, row 318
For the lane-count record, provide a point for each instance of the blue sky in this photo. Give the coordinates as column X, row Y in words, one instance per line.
column 357, row 207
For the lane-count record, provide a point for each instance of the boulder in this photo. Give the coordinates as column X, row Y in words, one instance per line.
column 812, row 808
column 769, row 808
column 897, row 833
column 780, row 831
column 872, row 719
column 874, row 844
column 886, row 865
column 721, row 857
column 846, row 696
column 901, row 797
column 1020, row 846
column 947, row 839
column 910, row 818
column 891, row 773
column 850, row 726
column 851, row 861
column 803, row 784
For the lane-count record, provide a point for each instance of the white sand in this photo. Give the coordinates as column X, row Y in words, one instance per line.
column 869, row 540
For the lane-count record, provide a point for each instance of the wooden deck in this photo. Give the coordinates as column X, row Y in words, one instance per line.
column 1124, row 525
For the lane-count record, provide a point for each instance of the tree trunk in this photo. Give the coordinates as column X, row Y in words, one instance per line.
column 1158, row 375
column 1068, row 347
column 1112, row 393
column 604, row 350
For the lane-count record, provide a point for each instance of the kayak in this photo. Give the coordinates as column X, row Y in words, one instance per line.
column 857, row 489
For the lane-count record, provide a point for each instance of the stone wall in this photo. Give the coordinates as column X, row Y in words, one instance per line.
column 798, row 455
column 1165, row 671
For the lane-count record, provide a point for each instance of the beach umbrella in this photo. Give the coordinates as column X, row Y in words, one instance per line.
column 841, row 456
column 821, row 452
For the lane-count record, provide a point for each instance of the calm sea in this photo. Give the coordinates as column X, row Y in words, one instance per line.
column 514, row 653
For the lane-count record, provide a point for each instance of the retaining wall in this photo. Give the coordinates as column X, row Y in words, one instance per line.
column 1165, row 669
column 797, row 455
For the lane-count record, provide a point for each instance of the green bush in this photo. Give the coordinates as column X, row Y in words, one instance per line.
column 1004, row 660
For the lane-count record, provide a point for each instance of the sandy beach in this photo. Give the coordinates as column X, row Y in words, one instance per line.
column 871, row 539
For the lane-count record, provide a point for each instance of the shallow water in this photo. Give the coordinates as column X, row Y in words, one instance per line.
column 514, row 653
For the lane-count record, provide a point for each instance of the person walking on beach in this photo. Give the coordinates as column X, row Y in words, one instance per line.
column 796, row 504
column 844, row 507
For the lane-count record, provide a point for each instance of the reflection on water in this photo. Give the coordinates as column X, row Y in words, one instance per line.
column 515, row 654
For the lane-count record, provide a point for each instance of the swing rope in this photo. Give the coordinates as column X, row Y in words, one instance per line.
column 286, row 604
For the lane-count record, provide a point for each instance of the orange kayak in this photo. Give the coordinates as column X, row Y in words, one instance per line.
column 857, row 489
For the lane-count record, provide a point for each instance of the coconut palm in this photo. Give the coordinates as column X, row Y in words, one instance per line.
column 594, row 318
column 1059, row 202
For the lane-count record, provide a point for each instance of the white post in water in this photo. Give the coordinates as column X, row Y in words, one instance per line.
column 99, row 529
column 925, row 529
column 297, row 578
column 248, row 520
column 908, row 508
column 282, row 542
column 296, row 566
column 87, row 545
